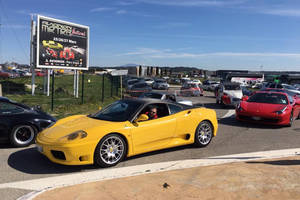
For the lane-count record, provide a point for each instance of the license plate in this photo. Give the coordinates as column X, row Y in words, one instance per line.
column 39, row 148
column 256, row 118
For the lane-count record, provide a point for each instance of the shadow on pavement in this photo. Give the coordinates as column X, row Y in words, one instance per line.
column 190, row 146
column 231, row 121
column 276, row 162
column 6, row 146
column 30, row 161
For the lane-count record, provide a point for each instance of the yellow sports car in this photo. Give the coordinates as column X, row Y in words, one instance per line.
column 125, row 128
column 52, row 44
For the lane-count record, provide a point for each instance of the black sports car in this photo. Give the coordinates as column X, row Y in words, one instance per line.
column 19, row 123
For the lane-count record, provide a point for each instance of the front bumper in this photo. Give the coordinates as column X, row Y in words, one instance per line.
column 68, row 154
column 271, row 119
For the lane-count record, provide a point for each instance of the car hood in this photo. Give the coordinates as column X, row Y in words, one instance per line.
column 71, row 124
column 234, row 93
column 261, row 107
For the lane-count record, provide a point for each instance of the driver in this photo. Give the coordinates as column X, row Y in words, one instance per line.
column 152, row 113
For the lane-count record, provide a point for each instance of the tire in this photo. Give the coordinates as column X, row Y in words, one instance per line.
column 22, row 135
column 291, row 120
column 204, row 134
column 113, row 148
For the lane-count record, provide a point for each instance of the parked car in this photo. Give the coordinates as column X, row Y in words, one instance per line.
column 297, row 86
column 210, row 85
column 138, row 89
column 284, row 86
column 229, row 94
column 20, row 124
column 122, row 129
column 166, row 96
column 269, row 107
column 149, row 81
column 4, row 74
column 191, row 89
column 160, row 84
column 197, row 81
column 131, row 82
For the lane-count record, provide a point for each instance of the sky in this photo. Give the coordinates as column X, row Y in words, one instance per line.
column 207, row 34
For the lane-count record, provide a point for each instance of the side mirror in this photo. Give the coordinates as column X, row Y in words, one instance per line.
column 245, row 98
column 141, row 118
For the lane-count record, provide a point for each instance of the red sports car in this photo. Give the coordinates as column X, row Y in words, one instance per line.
column 277, row 108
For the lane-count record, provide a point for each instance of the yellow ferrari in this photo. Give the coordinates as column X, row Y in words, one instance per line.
column 126, row 128
column 52, row 44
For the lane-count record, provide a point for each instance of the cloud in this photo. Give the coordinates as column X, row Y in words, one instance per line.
column 189, row 3
column 172, row 25
column 168, row 53
column 121, row 12
column 282, row 12
column 102, row 9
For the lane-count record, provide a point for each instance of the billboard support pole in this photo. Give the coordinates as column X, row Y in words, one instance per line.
column 32, row 56
column 52, row 91
column 82, row 87
column 74, row 83
column 77, row 83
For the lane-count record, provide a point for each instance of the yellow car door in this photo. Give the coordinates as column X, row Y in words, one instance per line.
column 152, row 134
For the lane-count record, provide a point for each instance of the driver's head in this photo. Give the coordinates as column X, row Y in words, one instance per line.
column 152, row 111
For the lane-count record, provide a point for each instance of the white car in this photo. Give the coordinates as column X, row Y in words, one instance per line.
column 229, row 94
column 149, row 81
column 196, row 81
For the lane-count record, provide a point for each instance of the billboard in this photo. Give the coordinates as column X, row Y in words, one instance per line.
column 62, row 44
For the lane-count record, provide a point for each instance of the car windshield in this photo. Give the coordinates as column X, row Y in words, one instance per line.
column 271, row 98
column 118, row 111
column 152, row 95
column 232, row 87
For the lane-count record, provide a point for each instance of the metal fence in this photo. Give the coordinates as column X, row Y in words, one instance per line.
column 92, row 88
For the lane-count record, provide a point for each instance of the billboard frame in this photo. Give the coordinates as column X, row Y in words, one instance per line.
column 67, row 23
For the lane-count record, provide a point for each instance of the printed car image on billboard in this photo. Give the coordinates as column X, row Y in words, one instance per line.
column 61, row 44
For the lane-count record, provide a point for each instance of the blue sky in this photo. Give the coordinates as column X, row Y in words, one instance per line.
column 209, row 34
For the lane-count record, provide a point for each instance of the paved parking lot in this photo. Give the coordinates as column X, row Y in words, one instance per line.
column 18, row 164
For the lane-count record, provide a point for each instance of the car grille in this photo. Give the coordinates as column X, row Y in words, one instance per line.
column 58, row 155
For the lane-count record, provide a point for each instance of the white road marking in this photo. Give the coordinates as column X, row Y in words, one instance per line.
column 112, row 173
column 230, row 113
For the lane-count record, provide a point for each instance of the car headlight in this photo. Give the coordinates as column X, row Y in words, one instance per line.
column 73, row 136
column 281, row 111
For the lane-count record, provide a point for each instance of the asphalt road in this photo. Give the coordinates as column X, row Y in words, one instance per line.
column 18, row 164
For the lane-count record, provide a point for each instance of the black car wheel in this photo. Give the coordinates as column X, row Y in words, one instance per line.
column 291, row 120
column 22, row 135
column 204, row 134
column 110, row 151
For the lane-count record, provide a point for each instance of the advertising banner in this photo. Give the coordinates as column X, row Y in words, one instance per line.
column 61, row 44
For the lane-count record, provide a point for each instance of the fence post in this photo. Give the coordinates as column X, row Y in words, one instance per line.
column 52, row 91
column 103, row 87
column 111, row 85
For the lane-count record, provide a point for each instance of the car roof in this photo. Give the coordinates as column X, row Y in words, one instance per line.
column 4, row 99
